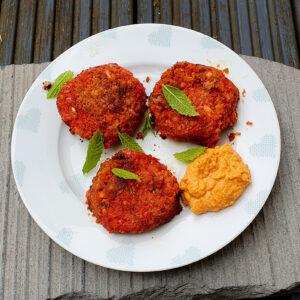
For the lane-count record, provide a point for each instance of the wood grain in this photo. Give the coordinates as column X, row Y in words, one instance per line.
column 259, row 262
column 38, row 31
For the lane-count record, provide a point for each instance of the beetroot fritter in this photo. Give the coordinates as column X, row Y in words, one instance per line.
column 102, row 98
column 214, row 97
column 129, row 206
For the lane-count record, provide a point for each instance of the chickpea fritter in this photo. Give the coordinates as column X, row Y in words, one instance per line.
column 102, row 98
column 214, row 97
column 129, row 206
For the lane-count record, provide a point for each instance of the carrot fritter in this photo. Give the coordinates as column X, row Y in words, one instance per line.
column 129, row 206
column 102, row 98
column 214, row 97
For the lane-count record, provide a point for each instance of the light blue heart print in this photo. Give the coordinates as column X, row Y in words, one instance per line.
column 65, row 235
column 161, row 37
column 77, row 184
column 30, row 120
column 253, row 205
column 261, row 95
column 122, row 255
column 19, row 171
column 110, row 34
column 265, row 148
column 191, row 254
column 210, row 43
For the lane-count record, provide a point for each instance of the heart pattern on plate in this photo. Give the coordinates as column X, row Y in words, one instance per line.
column 261, row 95
column 190, row 255
column 161, row 37
column 30, row 120
column 122, row 254
column 252, row 206
column 265, row 148
column 210, row 43
column 19, row 171
column 65, row 235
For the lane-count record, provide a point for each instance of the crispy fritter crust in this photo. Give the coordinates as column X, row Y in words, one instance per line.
column 101, row 98
column 214, row 97
column 129, row 206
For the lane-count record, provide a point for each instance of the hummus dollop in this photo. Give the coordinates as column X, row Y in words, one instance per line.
column 214, row 180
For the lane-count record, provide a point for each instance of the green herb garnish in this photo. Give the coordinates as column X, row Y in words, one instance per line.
column 128, row 142
column 125, row 174
column 179, row 101
column 95, row 149
column 189, row 155
column 147, row 125
column 58, row 83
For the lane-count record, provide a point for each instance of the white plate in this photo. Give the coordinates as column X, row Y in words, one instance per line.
column 47, row 160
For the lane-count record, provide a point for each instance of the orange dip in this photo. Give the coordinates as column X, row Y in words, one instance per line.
column 214, row 180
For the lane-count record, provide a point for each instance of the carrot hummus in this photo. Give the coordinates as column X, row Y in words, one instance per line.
column 214, row 180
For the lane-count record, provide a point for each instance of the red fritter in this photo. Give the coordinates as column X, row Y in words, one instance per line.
column 214, row 97
column 101, row 98
column 129, row 206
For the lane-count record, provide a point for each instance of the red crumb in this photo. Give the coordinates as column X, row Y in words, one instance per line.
column 226, row 71
column 154, row 145
column 249, row 123
column 139, row 136
column 218, row 66
column 244, row 93
column 147, row 79
column 232, row 135
column 47, row 85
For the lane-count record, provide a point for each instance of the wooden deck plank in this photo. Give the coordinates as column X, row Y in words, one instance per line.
column 25, row 32
column 176, row 12
column 244, row 27
column 213, row 19
column 201, row 16
column 100, row 15
column 125, row 12
column 44, row 31
column 287, row 34
column 121, row 12
column 264, row 29
column 185, row 13
column 166, row 11
column 256, row 51
column 63, row 26
column 145, row 11
column 8, row 28
column 296, row 14
column 6, row 122
column 274, row 31
column 234, row 26
column 82, row 20
column 224, row 32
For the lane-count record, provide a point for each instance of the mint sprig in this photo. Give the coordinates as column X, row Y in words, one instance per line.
column 58, row 83
column 147, row 125
column 125, row 174
column 191, row 154
column 179, row 101
column 94, row 152
column 128, row 142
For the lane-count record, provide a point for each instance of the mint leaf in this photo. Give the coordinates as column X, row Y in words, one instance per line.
column 128, row 142
column 58, row 83
column 125, row 174
column 147, row 125
column 95, row 149
column 189, row 155
column 179, row 101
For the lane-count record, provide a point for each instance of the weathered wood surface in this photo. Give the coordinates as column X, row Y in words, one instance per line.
column 38, row 31
column 263, row 260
